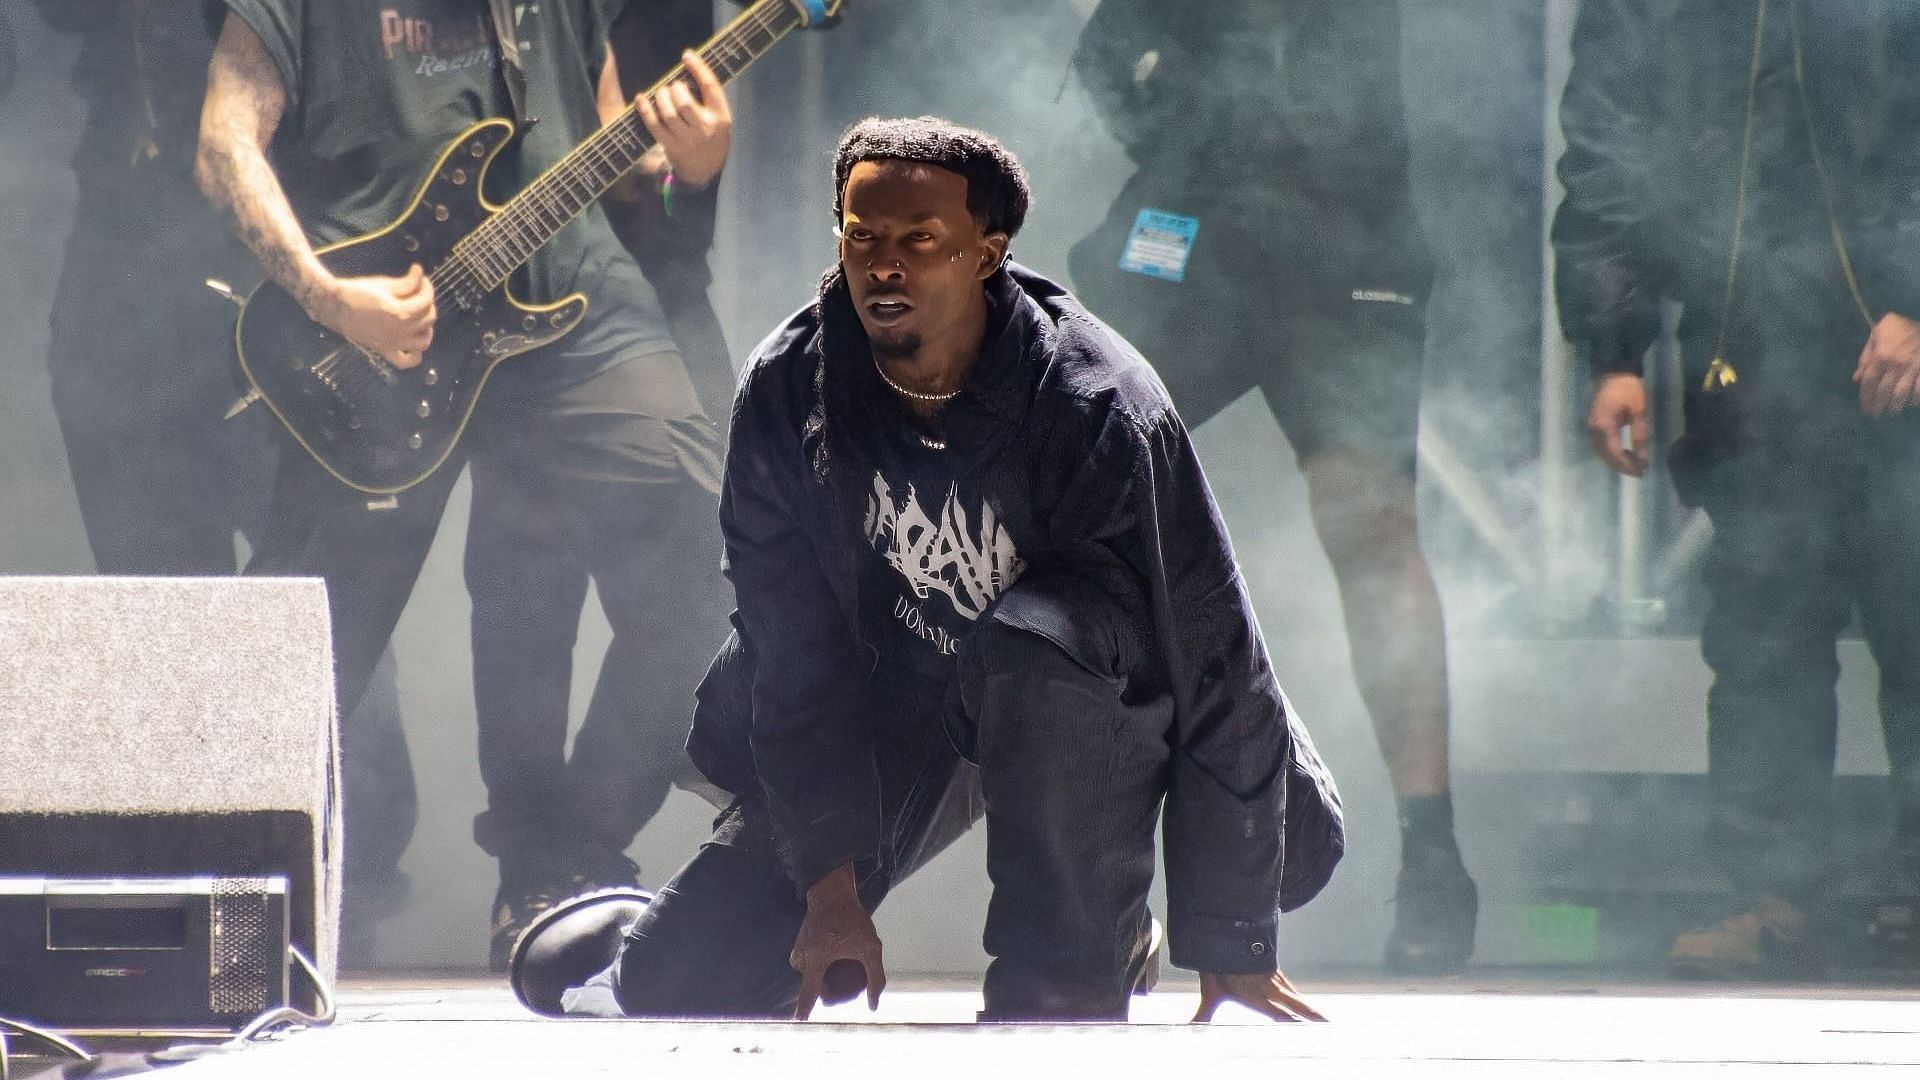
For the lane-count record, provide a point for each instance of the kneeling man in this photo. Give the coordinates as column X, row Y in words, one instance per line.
column 977, row 571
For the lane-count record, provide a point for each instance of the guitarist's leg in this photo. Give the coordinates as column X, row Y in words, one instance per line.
column 656, row 559
column 528, row 587
column 650, row 521
column 317, row 527
column 368, row 552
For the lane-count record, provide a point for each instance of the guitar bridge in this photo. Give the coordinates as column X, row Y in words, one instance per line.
column 388, row 374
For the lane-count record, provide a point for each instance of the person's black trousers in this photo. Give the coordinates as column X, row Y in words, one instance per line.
column 1819, row 519
column 1047, row 738
column 1816, row 515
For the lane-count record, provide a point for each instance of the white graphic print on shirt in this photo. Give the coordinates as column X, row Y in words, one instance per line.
column 968, row 558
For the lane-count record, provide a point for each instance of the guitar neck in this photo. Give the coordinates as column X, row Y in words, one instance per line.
column 511, row 236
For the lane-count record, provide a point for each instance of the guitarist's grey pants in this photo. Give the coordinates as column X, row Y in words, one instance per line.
column 611, row 480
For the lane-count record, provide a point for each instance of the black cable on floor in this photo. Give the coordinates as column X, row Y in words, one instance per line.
column 273, row 1022
column 38, row 1035
column 273, row 1019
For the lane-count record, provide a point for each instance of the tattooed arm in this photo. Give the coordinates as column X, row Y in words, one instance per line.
column 245, row 102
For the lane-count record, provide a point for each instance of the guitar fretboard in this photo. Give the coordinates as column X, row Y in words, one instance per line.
column 509, row 238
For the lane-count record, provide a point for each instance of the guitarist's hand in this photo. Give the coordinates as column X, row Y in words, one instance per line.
column 695, row 132
column 392, row 316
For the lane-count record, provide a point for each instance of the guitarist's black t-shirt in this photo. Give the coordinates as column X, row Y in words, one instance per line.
column 377, row 88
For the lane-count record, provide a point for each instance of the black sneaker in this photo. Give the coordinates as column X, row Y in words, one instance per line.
column 513, row 911
column 569, row 944
column 527, row 897
column 1435, row 908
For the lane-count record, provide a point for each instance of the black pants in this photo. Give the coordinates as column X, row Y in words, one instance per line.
column 1072, row 765
column 1816, row 512
column 615, row 470
column 653, row 552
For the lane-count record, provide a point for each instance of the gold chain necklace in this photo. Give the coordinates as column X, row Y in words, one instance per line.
column 931, row 399
column 927, row 441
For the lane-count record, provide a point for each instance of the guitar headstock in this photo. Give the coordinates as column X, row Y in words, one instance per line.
column 819, row 14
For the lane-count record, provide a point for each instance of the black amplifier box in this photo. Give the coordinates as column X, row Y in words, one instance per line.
column 139, row 954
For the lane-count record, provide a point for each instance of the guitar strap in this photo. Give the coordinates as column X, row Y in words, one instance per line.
column 506, row 37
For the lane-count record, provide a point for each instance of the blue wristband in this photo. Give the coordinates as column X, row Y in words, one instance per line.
column 816, row 11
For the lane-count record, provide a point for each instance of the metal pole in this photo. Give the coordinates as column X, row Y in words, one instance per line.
column 1440, row 464
column 1557, row 363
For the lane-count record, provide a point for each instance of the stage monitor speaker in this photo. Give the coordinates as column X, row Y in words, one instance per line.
column 172, row 728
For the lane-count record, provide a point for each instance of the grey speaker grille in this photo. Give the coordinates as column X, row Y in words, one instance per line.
column 242, row 954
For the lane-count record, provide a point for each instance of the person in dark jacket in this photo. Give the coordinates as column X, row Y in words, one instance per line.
column 1756, row 163
column 1268, row 242
column 976, row 568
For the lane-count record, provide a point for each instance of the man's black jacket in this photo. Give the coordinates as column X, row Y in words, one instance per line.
column 1654, row 115
column 1092, row 473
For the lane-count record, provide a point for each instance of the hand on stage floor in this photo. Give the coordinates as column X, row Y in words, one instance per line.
column 1269, row 994
column 837, row 952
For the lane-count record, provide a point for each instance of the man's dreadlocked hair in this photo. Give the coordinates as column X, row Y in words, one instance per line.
column 997, row 191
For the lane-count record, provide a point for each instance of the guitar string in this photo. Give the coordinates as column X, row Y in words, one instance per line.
column 574, row 168
column 513, row 221
column 460, row 269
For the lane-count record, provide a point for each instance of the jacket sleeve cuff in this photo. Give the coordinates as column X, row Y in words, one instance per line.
column 839, row 837
column 1615, row 354
column 1222, row 946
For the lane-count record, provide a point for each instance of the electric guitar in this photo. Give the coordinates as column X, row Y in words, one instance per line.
column 382, row 429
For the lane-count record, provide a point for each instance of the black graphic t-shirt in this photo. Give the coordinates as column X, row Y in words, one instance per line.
column 377, row 88
column 940, row 555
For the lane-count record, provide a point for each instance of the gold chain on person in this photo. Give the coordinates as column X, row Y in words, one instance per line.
column 931, row 399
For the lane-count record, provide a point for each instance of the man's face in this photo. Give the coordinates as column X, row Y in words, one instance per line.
column 913, row 254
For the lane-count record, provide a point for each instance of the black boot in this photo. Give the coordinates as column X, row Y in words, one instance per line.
column 1435, row 908
column 569, row 944
column 531, row 886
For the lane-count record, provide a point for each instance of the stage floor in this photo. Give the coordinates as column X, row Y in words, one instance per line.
column 1483, row 1028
